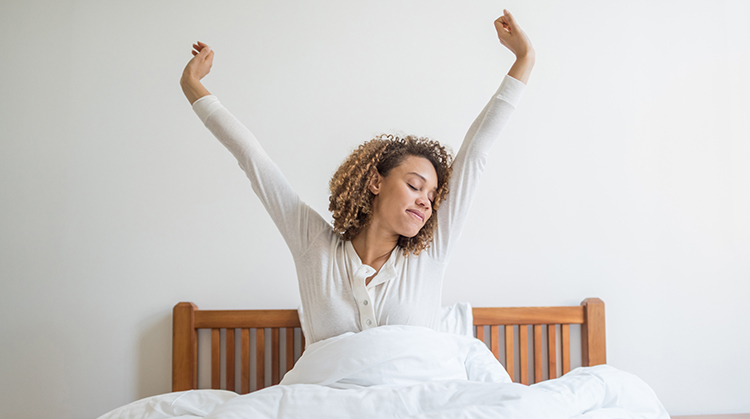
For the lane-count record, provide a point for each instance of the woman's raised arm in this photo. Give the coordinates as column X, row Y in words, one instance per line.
column 197, row 68
column 298, row 223
column 472, row 157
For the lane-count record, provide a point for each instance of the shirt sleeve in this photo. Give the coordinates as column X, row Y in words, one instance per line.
column 469, row 164
column 298, row 223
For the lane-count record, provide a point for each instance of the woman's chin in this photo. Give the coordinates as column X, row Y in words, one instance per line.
column 410, row 234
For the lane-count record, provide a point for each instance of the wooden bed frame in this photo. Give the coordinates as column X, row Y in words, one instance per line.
column 236, row 325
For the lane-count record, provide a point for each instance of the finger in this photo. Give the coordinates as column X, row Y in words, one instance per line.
column 502, row 27
column 194, row 53
column 199, row 46
column 511, row 19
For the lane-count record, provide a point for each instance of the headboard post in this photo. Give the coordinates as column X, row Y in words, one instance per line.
column 593, row 343
column 184, row 347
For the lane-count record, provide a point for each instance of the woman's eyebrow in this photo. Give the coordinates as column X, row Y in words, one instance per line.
column 415, row 173
column 422, row 177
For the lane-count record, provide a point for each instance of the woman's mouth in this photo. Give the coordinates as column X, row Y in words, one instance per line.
column 416, row 214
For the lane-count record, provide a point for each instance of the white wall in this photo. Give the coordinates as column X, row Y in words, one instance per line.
column 624, row 175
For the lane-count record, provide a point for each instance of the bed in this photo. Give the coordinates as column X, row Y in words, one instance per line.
column 255, row 363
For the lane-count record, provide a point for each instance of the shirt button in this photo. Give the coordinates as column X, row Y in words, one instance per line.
column 368, row 322
column 365, row 302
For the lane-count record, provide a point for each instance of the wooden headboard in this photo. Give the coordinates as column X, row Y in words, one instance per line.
column 510, row 325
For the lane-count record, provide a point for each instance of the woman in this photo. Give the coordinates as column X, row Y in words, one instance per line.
column 383, row 260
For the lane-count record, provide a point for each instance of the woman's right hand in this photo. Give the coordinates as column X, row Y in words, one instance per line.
column 197, row 68
column 200, row 64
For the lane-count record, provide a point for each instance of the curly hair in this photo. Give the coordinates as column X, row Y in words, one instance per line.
column 351, row 198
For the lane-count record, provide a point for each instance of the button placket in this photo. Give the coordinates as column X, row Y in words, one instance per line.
column 366, row 310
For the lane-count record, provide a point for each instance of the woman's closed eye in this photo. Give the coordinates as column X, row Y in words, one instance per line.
column 414, row 188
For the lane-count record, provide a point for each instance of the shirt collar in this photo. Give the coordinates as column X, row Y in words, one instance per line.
column 387, row 272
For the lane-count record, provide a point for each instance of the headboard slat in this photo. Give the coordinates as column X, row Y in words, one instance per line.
column 275, row 356
column 216, row 359
column 245, row 361
column 552, row 351
column 509, row 359
column 523, row 352
column 230, row 358
column 538, row 361
column 565, row 353
column 260, row 357
column 480, row 333
column 289, row 348
column 495, row 340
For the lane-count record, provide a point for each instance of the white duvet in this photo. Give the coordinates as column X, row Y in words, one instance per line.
column 411, row 372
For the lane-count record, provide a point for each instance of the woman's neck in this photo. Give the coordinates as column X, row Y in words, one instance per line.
column 372, row 248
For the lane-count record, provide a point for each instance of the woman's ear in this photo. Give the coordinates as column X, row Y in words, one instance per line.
column 375, row 181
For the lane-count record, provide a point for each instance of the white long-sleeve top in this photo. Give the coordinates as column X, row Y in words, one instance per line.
column 331, row 276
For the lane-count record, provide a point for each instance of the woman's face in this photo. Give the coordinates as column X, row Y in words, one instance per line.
column 403, row 198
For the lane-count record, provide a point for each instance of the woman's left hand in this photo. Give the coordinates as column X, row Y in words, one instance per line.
column 512, row 37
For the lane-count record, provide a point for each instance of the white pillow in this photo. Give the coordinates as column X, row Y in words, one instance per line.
column 457, row 319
